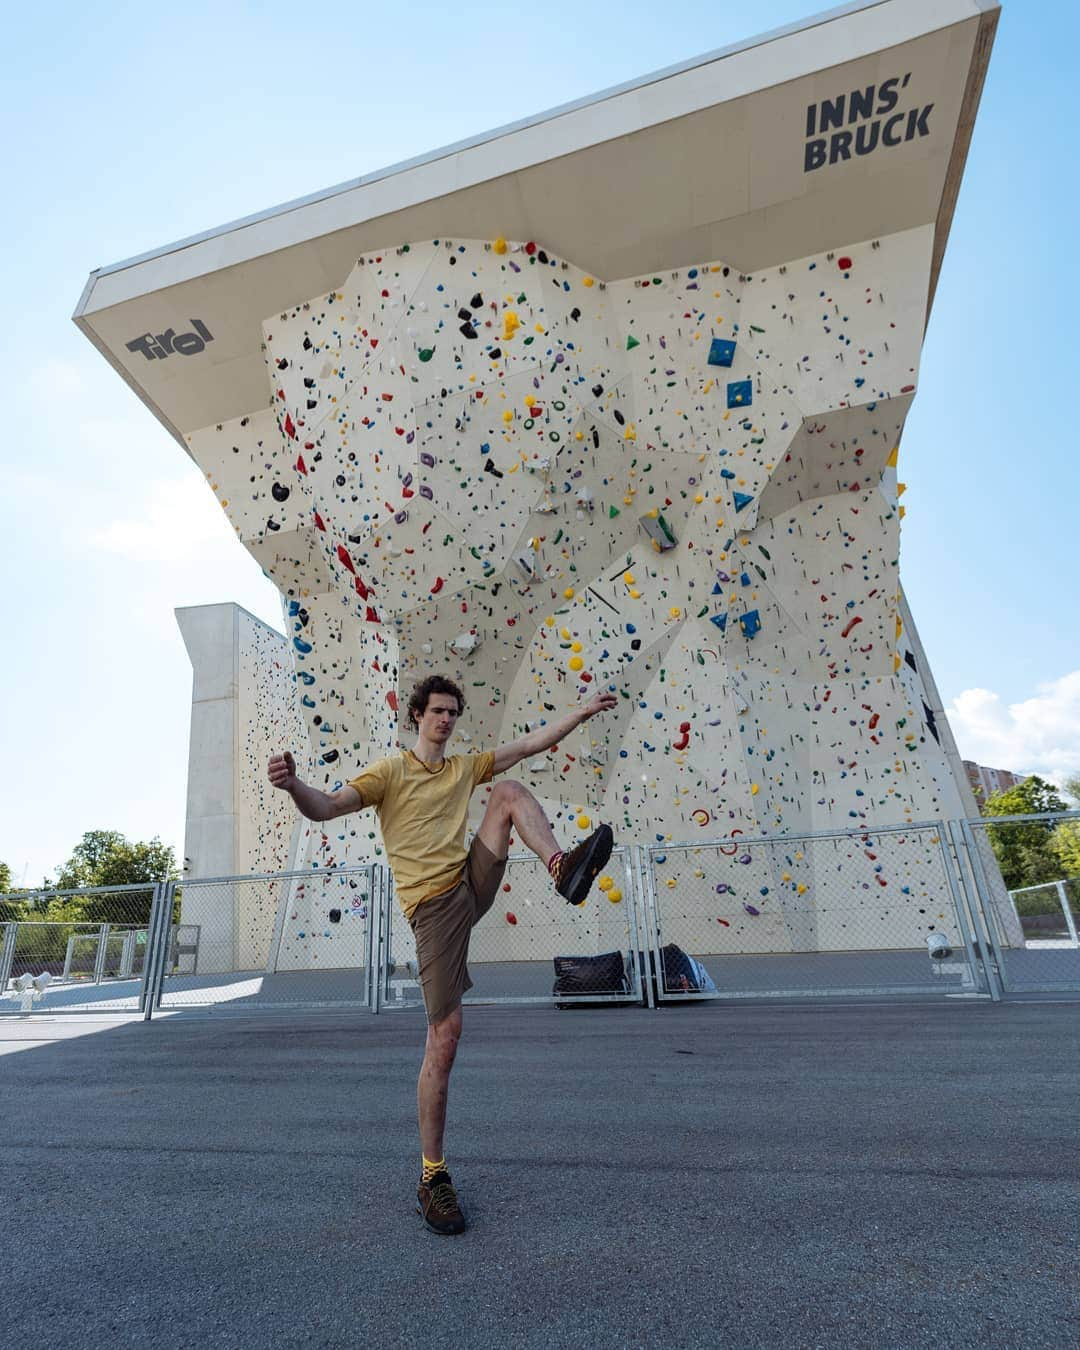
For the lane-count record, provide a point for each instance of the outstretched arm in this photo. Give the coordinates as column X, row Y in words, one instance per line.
column 310, row 801
column 543, row 738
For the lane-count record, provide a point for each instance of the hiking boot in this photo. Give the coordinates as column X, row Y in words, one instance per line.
column 437, row 1203
column 578, row 868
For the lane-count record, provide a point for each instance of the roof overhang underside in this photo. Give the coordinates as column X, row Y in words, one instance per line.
column 709, row 161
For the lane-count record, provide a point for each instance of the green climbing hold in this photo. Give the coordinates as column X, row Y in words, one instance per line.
column 631, row 343
column 426, row 353
column 613, row 511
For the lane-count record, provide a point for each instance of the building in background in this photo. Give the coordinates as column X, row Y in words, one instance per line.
column 984, row 782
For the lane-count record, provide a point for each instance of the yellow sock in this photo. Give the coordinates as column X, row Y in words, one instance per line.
column 430, row 1168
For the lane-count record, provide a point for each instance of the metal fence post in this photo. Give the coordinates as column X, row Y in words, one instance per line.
column 150, row 956
column 1066, row 909
column 102, row 951
column 964, row 848
column 164, row 943
column 953, row 868
column 7, row 953
column 649, row 962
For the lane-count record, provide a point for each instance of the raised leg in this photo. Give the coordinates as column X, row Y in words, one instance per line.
column 433, row 1085
column 513, row 807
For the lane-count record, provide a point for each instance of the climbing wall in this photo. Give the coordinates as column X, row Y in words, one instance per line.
column 479, row 460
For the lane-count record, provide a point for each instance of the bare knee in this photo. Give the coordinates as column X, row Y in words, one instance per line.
column 507, row 794
column 442, row 1043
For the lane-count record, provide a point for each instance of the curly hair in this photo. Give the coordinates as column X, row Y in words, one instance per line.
column 418, row 699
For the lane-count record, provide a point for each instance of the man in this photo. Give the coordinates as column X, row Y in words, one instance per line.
column 422, row 799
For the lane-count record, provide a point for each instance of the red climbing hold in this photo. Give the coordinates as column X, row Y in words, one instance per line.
column 344, row 559
column 510, row 917
column 851, row 625
column 319, row 523
column 844, row 264
column 391, row 698
column 290, row 430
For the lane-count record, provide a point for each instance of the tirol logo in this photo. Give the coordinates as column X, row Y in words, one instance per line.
column 870, row 113
column 157, row 346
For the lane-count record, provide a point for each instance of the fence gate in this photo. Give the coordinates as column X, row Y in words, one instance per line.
column 280, row 940
column 531, row 947
column 1030, row 934
column 78, row 951
column 828, row 914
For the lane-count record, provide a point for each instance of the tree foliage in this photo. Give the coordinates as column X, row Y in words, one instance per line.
column 1066, row 844
column 1025, row 850
column 6, row 880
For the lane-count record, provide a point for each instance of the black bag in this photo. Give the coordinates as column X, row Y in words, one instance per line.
column 682, row 974
column 578, row 975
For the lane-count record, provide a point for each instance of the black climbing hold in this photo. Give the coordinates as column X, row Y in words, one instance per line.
column 280, row 492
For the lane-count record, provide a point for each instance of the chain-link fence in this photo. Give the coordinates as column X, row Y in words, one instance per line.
column 1031, row 930
column 78, row 950
column 870, row 912
column 282, row 940
column 531, row 947
column 919, row 909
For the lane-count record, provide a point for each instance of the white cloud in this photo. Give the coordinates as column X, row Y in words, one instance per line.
column 178, row 520
column 1038, row 735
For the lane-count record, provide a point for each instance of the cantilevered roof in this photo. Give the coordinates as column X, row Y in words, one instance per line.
column 849, row 126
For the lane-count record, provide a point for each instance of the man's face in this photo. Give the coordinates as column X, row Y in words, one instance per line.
column 440, row 717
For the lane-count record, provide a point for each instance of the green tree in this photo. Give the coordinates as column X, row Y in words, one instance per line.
column 1065, row 842
column 1072, row 787
column 6, row 880
column 1025, row 850
column 107, row 858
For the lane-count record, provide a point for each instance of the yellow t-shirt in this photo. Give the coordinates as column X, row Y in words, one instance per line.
column 423, row 815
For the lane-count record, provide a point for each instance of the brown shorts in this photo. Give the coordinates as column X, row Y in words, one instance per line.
column 442, row 926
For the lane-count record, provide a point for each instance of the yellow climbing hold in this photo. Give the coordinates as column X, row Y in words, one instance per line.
column 753, row 789
column 508, row 415
column 575, row 646
column 499, row 245
column 587, row 281
column 674, row 611
column 576, row 663
column 628, row 577
column 583, row 822
column 568, row 594
column 614, row 895
column 605, row 882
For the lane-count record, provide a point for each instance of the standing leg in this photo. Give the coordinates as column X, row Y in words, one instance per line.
column 433, row 1085
column 436, row 1197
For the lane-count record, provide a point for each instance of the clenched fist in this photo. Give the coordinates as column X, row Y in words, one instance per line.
column 282, row 771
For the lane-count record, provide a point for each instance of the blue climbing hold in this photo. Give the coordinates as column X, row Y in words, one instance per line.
column 750, row 623
column 720, row 620
column 740, row 394
column 721, row 352
column 741, row 500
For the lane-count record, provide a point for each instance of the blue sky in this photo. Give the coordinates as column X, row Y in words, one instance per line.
column 130, row 126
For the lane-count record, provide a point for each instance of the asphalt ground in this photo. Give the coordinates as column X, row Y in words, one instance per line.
column 705, row 1175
